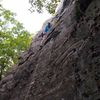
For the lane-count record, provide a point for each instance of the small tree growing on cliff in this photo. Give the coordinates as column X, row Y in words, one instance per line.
column 13, row 40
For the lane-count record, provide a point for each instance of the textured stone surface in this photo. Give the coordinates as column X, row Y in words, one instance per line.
column 67, row 65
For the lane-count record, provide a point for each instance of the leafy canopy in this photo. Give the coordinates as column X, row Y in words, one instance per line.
column 14, row 39
column 39, row 5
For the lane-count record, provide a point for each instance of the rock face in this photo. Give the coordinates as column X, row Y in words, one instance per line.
column 66, row 66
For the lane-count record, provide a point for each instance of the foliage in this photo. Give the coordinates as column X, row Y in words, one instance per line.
column 14, row 39
column 49, row 5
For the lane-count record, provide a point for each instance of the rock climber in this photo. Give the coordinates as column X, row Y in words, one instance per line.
column 47, row 28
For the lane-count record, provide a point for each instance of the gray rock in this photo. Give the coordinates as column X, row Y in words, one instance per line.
column 66, row 65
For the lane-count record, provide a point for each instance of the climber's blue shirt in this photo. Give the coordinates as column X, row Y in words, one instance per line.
column 46, row 29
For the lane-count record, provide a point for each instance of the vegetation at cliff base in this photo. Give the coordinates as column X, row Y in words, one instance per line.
column 14, row 39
